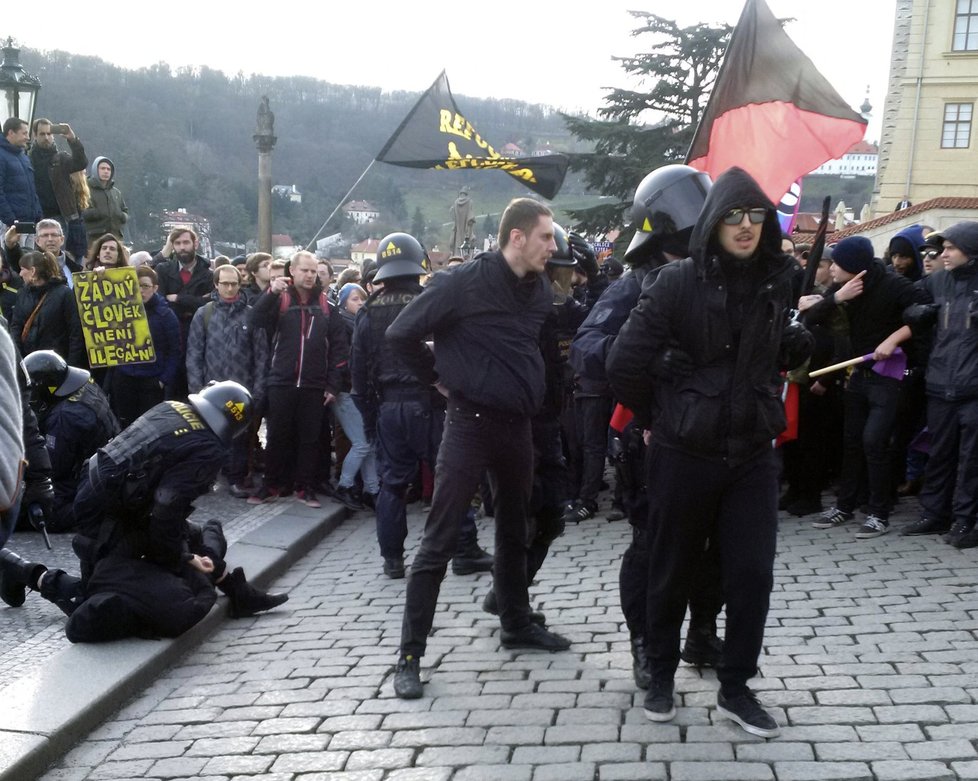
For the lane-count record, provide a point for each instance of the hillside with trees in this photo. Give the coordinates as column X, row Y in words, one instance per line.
column 183, row 139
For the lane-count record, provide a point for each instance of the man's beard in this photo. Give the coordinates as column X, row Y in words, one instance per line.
column 185, row 257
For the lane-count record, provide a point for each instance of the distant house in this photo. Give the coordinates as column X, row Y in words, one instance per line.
column 511, row 150
column 361, row 211
column 288, row 191
column 860, row 160
column 283, row 246
column 181, row 218
column 364, row 250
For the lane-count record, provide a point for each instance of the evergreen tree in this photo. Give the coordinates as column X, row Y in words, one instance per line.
column 418, row 223
column 639, row 130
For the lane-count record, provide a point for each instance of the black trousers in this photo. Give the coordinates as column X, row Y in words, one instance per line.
column 475, row 439
column 293, row 423
column 692, row 500
column 950, row 491
column 871, row 403
column 546, row 522
column 592, row 416
column 130, row 396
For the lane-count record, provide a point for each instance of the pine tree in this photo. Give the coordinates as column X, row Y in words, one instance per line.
column 638, row 131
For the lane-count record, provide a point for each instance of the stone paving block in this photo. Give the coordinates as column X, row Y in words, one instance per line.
column 859, row 752
column 904, row 733
column 854, row 697
column 136, row 768
column 352, row 740
column 965, row 770
column 773, row 751
column 581, row 733
column 175, row 767
column 366, row 721
column 309, row 761
column 545, row 755
column 149, row 750
column 216, row 747
column 439, row 736
column 355, row 775
column 565, row 771
column 831, row 715
column 690, row 752
column 921, row 714
column 543, row 717
column 943, row 749
column 227, row 729
column 291, row 744
column 633, row 771
column 603, row 753
column 931, row 694
column 494, row 773
column 230, row 765
column 474, row 755
column 819, row 732
column 274, row 726
column 514, row 736
column 823, row 771
column 720, row 771
column 911, row 771
column 421, row 774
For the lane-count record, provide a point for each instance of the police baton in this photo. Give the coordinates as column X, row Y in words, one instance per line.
column 36, row 515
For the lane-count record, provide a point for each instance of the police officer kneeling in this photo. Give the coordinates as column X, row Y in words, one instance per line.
column 145, row 570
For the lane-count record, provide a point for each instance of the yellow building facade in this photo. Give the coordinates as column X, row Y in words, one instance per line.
column 929, row 144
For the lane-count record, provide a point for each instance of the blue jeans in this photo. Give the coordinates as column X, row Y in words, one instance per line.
column 361, row 457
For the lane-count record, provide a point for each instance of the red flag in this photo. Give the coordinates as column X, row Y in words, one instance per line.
column 771, row 112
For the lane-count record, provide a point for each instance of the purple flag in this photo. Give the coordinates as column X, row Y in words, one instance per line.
column 894, row 366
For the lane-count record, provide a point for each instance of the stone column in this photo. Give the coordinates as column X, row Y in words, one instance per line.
column 265, row 141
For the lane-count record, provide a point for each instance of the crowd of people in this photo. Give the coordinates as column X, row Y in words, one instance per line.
column 504, row 385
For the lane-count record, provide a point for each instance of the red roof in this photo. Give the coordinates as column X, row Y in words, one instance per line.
column 863, row 148
column 919, row 208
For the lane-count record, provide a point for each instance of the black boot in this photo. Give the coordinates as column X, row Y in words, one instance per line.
column 703, row 648
column 640, row 663
column 16, row 576
column 470, row 558
column 245, row 600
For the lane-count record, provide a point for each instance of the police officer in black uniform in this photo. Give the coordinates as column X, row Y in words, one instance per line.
column 145, row 570
column 404, row 416
column 665, row 207
column 74, row 416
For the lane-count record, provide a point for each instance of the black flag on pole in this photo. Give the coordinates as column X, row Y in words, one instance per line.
column 435, row 134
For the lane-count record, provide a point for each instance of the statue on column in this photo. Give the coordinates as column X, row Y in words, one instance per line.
column 463, row 220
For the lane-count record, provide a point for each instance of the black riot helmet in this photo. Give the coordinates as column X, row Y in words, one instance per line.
column 563, row 256
column 51, row 377
column 226, row 408
column 400, row 255
column 667, row 202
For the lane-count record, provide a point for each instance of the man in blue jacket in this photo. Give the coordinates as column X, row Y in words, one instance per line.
column 18, row 194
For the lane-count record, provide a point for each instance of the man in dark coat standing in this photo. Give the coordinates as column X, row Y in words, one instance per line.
column 485, row 318
column 53, row 170
column 18, row 194
column 697, row 362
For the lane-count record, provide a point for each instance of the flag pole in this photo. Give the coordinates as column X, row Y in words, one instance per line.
column 332, row 214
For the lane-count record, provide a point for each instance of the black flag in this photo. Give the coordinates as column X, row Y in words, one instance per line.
column 435, row 134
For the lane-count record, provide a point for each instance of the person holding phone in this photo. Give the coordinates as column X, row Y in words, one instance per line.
column 18, row 193
column 53, row 169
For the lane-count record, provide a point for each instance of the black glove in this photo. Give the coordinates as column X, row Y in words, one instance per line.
column 674, row 363
column 40, row 493
column 795, row 338
column 921, row 314
column 583, row 254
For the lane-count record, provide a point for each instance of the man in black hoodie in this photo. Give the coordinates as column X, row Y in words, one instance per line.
column 697, row 362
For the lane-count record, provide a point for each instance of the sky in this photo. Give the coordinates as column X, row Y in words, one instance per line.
column 541, row 51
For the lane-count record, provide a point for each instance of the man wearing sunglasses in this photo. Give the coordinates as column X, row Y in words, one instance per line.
column 697, row 362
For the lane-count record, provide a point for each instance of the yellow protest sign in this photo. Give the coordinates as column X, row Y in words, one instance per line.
column 113, row 317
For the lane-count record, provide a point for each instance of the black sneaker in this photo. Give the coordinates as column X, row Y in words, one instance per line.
column 533, row 637
column 746, row 710
column 578, row 512
column 616, row 513
column 925, row 526
column 702, row 648
column 407, row 678
column 394, row 567
column 660, row 701
column 958, row 530
column 969, row 540
column 490, row 605
column 874, row 526
column 472, row 560
column 345, row 496
column 831, row 518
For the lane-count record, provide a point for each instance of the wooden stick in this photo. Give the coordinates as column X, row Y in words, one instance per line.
column 836, row 366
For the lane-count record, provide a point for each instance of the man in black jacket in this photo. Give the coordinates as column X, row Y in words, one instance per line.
column 950, row 491
column 53, row 170
column 697, row 362
column 485, row 318
column 873, row 300
column 310, row 350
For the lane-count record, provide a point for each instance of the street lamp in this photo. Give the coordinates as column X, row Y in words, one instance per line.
column 17, row 86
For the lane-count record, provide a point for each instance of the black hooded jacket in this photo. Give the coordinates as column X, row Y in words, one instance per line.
column 729, row 406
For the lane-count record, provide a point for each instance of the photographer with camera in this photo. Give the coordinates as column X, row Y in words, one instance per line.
column 53, row 169
column 18, row 193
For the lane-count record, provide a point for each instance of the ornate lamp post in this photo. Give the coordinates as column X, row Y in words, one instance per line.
column 17, row 87
column 265, row 141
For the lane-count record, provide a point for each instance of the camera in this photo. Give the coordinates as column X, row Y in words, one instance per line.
column 25, row 227
column 59, row 129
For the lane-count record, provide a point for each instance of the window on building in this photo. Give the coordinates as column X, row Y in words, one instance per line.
column 966, row 26
column 957, row 126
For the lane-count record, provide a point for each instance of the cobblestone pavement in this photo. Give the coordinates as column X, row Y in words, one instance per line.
column 32, row 633
column 871, row 665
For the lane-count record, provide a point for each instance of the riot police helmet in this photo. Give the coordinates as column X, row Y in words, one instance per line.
column 667, row 202
column 563, row 256
column 51, row 377
column 226, row 408
column 400, row 255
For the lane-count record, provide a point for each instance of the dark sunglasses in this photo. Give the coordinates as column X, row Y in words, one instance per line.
column 736, row 216
column 931, row 254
